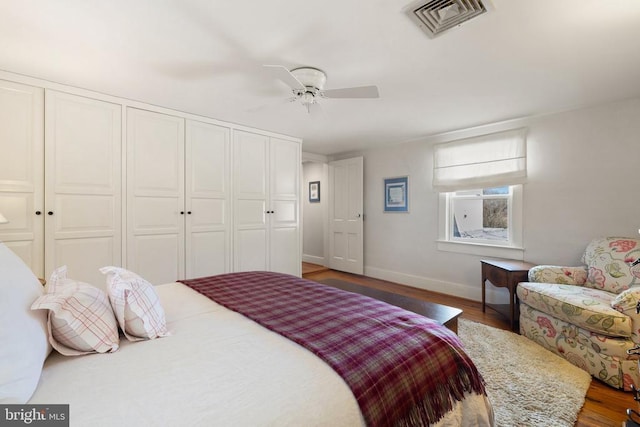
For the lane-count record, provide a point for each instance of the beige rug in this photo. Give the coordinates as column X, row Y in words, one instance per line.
column 527, row 385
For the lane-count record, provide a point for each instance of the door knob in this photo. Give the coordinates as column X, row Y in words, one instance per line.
column 38, row 213
column 189, row 212
column 181, row 212
column 359, row 216
column 50, row 213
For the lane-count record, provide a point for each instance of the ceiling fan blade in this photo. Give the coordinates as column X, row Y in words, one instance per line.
column 283, row 74
column 352, row 92
column 271, row 105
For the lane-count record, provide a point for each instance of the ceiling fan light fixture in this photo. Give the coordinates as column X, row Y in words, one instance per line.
column 307, row 85
column 311, row 78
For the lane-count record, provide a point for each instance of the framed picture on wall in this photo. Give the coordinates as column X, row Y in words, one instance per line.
column 314, row 191
column 396, row 194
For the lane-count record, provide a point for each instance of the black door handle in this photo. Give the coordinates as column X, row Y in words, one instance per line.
column 38, row 212
column 50, row 213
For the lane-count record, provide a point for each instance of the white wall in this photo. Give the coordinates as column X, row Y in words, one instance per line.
column 583, row 182
column 313, row 214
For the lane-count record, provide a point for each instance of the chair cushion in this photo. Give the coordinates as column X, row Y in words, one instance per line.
column 586, row 308
column 558, row 274
column 609, row 262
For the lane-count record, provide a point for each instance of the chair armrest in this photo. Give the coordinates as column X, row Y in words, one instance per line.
column 558, row 274
column 626, row 302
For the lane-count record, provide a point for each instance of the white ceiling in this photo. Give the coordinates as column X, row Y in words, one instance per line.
column 526, row 57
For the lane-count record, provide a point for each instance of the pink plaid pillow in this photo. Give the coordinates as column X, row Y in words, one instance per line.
column 80, row 318
column 135, row 304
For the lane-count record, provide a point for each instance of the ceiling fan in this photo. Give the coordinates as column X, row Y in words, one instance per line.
column 307, row 84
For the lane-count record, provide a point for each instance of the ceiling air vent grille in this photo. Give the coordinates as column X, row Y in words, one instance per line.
column 438, row 16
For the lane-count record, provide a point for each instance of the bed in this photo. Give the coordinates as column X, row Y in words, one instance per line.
column 215, row 367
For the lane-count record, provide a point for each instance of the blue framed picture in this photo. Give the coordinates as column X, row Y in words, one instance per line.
column 314, row 192
column 396, row 192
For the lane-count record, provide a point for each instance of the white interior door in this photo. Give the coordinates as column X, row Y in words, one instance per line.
column 155, row 195
column 207, row 199
column 21, row 172
column 83, row 185
column 346, row 215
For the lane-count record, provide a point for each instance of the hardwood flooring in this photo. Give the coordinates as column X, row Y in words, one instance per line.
column 604, row 406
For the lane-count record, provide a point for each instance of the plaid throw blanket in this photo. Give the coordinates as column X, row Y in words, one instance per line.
column 403, row 369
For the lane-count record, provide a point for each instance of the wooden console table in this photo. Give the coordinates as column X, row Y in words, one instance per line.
column 505, row 274
column 443, row 314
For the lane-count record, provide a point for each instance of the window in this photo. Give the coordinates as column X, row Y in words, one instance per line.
column 479, row 180
column 480, row 215
column 484, row 222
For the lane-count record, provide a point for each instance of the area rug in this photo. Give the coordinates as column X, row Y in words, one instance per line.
column 527, row 385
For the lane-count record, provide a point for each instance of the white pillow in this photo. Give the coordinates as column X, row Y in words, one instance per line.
column 80, row 317
column 135, row 304
column 23, row 333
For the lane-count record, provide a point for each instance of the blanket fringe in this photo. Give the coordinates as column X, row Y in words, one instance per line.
column 433, row 407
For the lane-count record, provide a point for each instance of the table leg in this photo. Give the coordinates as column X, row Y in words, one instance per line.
column 512, row 306
column 484, row 279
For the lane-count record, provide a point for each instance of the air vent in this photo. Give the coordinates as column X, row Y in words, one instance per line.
column 437, row 16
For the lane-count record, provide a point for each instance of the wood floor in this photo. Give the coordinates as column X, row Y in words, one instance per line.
column 603, row 406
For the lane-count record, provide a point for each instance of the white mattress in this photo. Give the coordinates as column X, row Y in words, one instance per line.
column 217, row 368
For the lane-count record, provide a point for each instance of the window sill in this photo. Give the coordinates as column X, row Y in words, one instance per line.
column 508, row 252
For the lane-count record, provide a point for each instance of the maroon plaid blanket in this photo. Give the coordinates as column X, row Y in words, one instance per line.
column 402, row 368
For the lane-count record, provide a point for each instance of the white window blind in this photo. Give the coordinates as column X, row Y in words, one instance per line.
column 484, row 161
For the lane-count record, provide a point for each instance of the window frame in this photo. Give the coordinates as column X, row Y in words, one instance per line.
column 511, row 249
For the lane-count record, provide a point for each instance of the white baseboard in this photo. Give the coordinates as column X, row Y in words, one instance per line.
column 314, row 259
column 473, row 293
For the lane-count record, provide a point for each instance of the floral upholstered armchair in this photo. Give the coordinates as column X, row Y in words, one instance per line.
column 587, row 314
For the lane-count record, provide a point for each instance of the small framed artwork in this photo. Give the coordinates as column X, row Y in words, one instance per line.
column 396, row 194
column 314, row 191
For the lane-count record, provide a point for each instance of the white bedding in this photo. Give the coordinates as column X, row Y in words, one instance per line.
column 217, row 368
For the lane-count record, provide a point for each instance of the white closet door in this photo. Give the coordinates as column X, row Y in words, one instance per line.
column 21, row 172
column 155, row 195
column 83, row 185
column 207, row 197
column 284, row 221
column 250, row 154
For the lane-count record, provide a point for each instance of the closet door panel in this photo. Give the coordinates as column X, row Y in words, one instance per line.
column 83, row 185
column 250, row 165
column 96, row 252
column 284, row 246
column 207, row 160
column 157, row 215
column 78, row 216
column 250, row 214
column 159, row 257
column 284, row 250
column 285, row 213
column 209, row 254
column 155, row 195
column 250, row 250
column 285, row 169
column 21, row 171
column 207, row 200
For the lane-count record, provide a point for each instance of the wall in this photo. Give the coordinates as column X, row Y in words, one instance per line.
column 583, row 182
column 313, row 215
